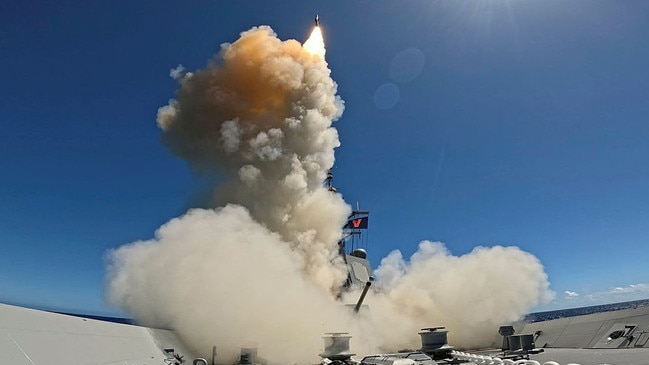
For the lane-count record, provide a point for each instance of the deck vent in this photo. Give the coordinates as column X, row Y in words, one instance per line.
column 506, row 331
column 248, row 356
column 524, row 342
column 434, row 342
column 527, row 342
column 514, row 342
column 336, row 346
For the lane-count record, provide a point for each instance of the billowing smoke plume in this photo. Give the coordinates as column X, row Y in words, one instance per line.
column 220, row 278
column 262, row 113
column 472, row 295
column 262, row 268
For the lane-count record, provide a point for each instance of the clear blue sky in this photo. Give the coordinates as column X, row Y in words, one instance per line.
column 512, row 122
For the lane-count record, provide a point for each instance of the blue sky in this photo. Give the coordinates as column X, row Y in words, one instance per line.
column 468, row 122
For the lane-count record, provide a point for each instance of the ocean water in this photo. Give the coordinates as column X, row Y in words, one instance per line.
column 544, row 316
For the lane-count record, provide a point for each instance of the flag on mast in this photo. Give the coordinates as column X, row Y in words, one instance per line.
column 357, row 223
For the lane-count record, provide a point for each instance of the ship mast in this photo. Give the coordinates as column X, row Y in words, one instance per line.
column 356, row 222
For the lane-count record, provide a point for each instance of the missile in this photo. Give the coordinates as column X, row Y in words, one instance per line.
column 317, row 20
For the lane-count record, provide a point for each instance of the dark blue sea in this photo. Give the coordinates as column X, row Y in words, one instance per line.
column 532, row 317
column 544, row 316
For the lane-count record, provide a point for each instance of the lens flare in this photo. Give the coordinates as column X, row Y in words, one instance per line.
column 315, row 43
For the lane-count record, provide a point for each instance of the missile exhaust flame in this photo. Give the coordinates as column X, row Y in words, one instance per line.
column 315, row 43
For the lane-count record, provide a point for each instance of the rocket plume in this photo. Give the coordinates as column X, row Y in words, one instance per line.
column 315, row 43
column 262, row 266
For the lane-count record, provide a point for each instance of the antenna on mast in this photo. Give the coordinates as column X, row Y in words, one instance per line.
column 356, row 222
column 359, row 272
column 329, row 182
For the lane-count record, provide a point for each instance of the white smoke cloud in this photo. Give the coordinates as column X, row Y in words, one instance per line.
column 230, row 136
column 260, row 115
column 220, row 278
column 472, row 295
column 262, row 112
column 177, row 73
column 262, row 267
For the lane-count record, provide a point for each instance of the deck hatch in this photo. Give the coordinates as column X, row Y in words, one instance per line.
column 642, row 340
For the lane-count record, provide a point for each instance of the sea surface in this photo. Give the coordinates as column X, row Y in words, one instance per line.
column 531, row 317
column 545, row 316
